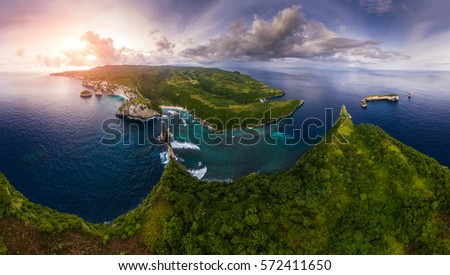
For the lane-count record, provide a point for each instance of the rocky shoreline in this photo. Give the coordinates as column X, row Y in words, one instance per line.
column 134, row 107
column 393, row 98
column 108, row 88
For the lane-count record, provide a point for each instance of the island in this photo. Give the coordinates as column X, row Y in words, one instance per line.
column 390, row 97
column 86, row 93
column 221, row 100
column 361, row 193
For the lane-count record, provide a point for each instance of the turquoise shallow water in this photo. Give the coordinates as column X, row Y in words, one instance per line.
column 51, row 151
column 421, row 122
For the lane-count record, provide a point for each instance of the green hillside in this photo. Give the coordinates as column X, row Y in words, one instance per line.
column 208, row 93
column 361, row 192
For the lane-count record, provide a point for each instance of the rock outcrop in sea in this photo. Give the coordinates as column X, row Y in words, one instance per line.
column 393, row 98
column 86, row 93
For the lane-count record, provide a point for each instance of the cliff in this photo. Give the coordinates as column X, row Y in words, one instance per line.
column 135, row 109
column 110, row 88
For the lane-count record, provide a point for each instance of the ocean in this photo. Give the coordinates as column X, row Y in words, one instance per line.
column 52, row 149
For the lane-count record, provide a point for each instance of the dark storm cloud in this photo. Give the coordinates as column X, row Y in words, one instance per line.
column 288, row 35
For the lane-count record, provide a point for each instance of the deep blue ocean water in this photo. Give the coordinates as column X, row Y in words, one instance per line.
column 50, row 146
column 50, row 149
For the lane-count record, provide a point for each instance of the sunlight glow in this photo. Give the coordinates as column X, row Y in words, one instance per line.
column 76, row 44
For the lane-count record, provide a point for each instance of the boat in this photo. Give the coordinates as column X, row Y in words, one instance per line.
column 409, row 94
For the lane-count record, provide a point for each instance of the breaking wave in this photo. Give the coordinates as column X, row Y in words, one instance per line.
column 172, row 112
column 164, row 156
column 183, row 145
column 198, row 173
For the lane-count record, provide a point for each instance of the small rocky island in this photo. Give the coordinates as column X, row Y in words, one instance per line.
column 391, row 97
column 86, row 93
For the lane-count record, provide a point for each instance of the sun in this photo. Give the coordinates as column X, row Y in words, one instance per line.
column 76, row 44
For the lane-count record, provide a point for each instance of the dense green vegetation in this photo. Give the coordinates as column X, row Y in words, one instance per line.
column 360, row 192
column 208, row 93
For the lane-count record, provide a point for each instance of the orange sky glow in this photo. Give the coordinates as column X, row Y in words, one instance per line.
column 85, row 34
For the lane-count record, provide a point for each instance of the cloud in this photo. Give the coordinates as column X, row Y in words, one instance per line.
column 21, row 52
column 376, row 6
column 288, row 35
column 97, row 51
column 153, row 32
column 162, row 44
column 101, row 51
column 49, row 62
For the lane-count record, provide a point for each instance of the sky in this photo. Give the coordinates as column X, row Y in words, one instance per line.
column 54, row 35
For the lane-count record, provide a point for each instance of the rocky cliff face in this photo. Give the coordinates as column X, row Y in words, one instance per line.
column 136, row 110
column 103, row 86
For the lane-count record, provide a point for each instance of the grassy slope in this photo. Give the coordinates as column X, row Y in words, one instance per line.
column 373, row 195
column 209, row 93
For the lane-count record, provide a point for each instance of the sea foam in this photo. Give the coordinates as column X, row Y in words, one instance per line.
column 184, row 145
column 198, row 173
column 164, row 156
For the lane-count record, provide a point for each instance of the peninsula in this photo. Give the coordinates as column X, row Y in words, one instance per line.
column 391, row 97
column 229, row 97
